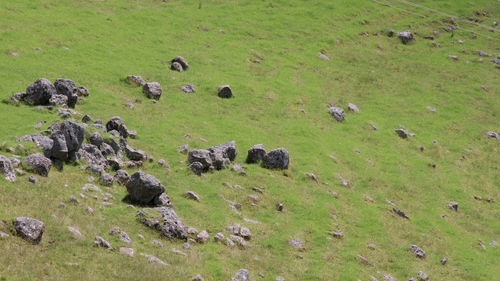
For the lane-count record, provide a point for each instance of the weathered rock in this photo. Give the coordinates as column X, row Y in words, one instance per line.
column 390, row 32
column 482, row 54
column 402, row 133
column 202, row 156
column 163, row 200
column 196, row 167
column 245, row 233
column 154, row 259
column 144, row 188
column 100, row 242
column 225, row 91
column 125, row 238
column 337, row 113
column 67, row 88
column 323, row 56
column 422, row 276
column 337, row 234
column 40, row 92
column 353, row 108
column 169, row 224
column 44, row 142
column 7, row 169
column 74, row 135
column 405, row 36
column 443, row 261
column 192, row 195
column 197, row 277
column 202, row 237
column 152, row 90
column 56, row 100
column 135, row 155
column 400, row 213
column 176, row 66
column 182, row 62
column 279, row 207
column 38, row 163
column 188, row 88
column 419, row 253
column 116, row 123
column 126, row 251
column 183, row 148
column 82, row 91
column 4, row 235
column 96, row 139
column 122, row 177
column 75, row 231
column 92, row 156
column 296, row 243
column 239, row 240
column 228, row 150
column 106, row 179
column 276, row 159
column 135, row 80
column 29, row 228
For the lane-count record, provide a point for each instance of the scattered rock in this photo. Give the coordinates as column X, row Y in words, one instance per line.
column 38, row 164
column 276, row 159
column 154, row 259
column 389, row 32
column 202, row 237
column 453, row 206
column 122, row 177
column 353, row 108
column 296, row 243
column 100, row 242
column 323, row 56
column 188, row 88
column 135, row 80
column 125, row 238
column 67, row 88
column 7, row 169
column 419, row 253
column 492, row 134
column 337, row 234
column 242, row 275
column 197, row 277
column 39, row 92
column 169, row 224
column 400, row 213
column 4, row 235
column 75, row 231
column 405, row 36
column 183, row 149
column 403, row 133
column 135, row 155
column 96, row 139
column 144, row 188
column 279, row 207
column 152, row 90
column 182, row 62
column 33, row 179
column 29, row 228
column 192, row 195
column 422, row 276
column 106, row 179
column 196, row 167
column 126, row 251
column 225, row 91
column 443, row 261
column 337, row 113
column 82, row 91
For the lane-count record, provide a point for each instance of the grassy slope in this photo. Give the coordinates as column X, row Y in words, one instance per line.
column 111, row 39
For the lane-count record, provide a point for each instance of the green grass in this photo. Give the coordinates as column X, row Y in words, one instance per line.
column 109, row 40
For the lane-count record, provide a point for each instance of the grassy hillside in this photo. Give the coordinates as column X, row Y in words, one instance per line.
column 98, row 43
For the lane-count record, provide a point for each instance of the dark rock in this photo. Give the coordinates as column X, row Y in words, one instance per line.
column 402, row 133
column 115, row 163
column 92, row 156
column 135, row 80
column 337, row 113
column 116, row 123
column 67, row 88
column 196, row 167
column 29, row 228
column 225, row 91
column 106, row 150
column 86, row 118
column 122, row 177
column 192, row 195
column 390, row 32
column 135, row 155
column 152, row 90
column 82, row 91
column 169, row 224
column 400, row 213
column 443, row 261
column 40, row 92
column 74, row 134
column 176, row 66
column 453, row 206
column 18, row 97
column 276, row 159
column 419, row 253
column 279, row 207
column 144, row 188
column 7, row 169
column 96, row 139
column 405, row 36
column 188, row 88
column 163, row 200
column 201, row 156
column 59, row 149
column 182, row 61
column 38, row 164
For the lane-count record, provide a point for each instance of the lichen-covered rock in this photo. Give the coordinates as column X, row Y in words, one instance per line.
column 276, row 159
column 29, row 228
column 144, row 188
column 38, row 164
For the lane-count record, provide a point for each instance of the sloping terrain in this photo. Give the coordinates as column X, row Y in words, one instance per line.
column 269, row 53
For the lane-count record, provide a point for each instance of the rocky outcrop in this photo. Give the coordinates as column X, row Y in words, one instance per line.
column 29, row 228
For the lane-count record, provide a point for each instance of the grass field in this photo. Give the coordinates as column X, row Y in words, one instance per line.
column 98, row 43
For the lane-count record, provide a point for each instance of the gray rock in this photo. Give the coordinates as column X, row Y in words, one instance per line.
column 38, row 163
column 482, row 54
column 192, row 195
column 202, row 237
column 337, row 234
column 323, row 56
column 116, row 123
column 279, row 207
column 183, row 148
column 197, row 277
column 242, row 275
column 91, row 155
column 169, row 224
column 176, row 66
column 106, row 179
column 353, row 108
column 390, row 32
column 202, row 156
column 245, row 233
column 144, row 188
column 196, row 167
column 67, row 88
column 125, row 238
column 225, row 91
column 4, row 235
column 163, row 200
column 296, row 243
column 133, row 154
column 75, row 231
column 256, row 153
column 106, row 150
column 419, row 253
column 453, row 206
column 82, row 91
column 56, row 100
column 33, row 179
column 402, row 133
column 100, row 242
column 126, row 251
column 39, row 92
column 44, row 142
column 228, row 150
column 422, row 276
column 7, row 169
column 154, row 259
column 122, row 177
column 135, row 80
column 152, row 90
column 276, row 159
column 492, row 134
column 405, row 36
column 74, row 135
column 96, row 139
column 29, row 228
column 443, row 261
column 337, row 113
column 181, row 61
column 239, row 240
column 188, row 88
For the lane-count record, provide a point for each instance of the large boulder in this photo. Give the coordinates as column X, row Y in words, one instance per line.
column 227, row 149
column 152, row 90
column 96, row 139
column 202, row 156
column 181, row 61
column 276, row 159
column 40, row 92
column 144, row 188
column 74, row 135
column 7, row 169
column 256, row 153
column 38, row 164
column 29, row 228
column 67, row 88
column 59, row 148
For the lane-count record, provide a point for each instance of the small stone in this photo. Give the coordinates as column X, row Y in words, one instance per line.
column 126, row 251
column 296, row 243
column 73, row 199
column 188, row 89
column 100, row 242
column 419, row 253
column 337, row 234
column 453, row 206
column 279, row 207
column 197, row 277
column 337, row 113
column 225, row 91
column 89, row 210
column 178, row 252
column 192, row 195
column 443, row 261
column 422, row 276
column 154, row 259
column 353, row 108
column 75, row 231
column 202, row 237
column 323, row 56
column 183, row 149
column 33, row 179
column 4, row 235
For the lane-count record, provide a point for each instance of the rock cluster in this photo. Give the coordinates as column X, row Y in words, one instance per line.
column 214, row 158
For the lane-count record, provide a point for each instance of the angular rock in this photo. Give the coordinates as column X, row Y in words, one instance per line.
column 33, row 179
column 154, row 259
column 133, row 154
column 183, row 148
column 135, row 80
column 122, row 177
column 402, row 133
column 337, row 113
column 74, row 135
column 100, row 242
column 422, row 276
column 188, row 88
column 44, row 142
column 197, row 277
column 125, row 238
column 96, row 139
column 276, row 159
column 38, row 163
column 228, row 150
column 169, row 224
column 225, row 91
column 7, row 169
column 163, row 200
column 239, row 240
column 405, row 36
column 75, row 231
column 67, row 88
column 296, row 243
column 202, row 156
column 419, row 253
column 492, row 134
column 176, row 66
column 196, row 167
column 453, row 206
column 152, row 90
column 242, row 275
column 144, row 188
column 56, row 100
column 40, row 92
column 116, row 123
column 82, row 91
column 192, row 195
column 91, row 155
column 353, row 108
column 29, row 228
